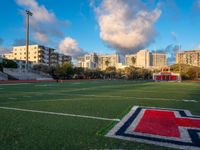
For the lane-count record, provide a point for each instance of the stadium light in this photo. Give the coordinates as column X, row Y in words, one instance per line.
column 28, row 13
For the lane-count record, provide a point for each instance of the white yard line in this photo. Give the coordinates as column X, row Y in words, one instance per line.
column 15, row 84
column 47, row 85
column 190, row 100
column 82, row 99
column 47, row 100
column 12, row 98
column 112, row 96
column 27, row 96
column 59, row 114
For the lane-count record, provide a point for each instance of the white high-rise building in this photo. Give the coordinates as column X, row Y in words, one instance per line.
column 191, row 57
column 146, row 59
column 143, row 59
column 94, row 61
column 130, row 60
column 108, row 60
column 88, row 61
column 158, row 60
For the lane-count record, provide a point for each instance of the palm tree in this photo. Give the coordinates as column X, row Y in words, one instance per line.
column 107, row 63
column 133, row 59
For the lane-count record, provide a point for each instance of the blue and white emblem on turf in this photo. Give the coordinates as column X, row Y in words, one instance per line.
column 165, row 127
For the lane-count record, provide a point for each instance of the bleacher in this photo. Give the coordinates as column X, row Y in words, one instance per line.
column 22, row 74
column 3, row 76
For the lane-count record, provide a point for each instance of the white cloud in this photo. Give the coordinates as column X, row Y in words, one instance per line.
column 69, row 46
column 41, row 14
column 41, row 37
column 43, row 22
column 198, row 47
column 4, row 50
column 126, row 25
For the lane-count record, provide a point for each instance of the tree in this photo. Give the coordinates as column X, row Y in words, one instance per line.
column 78, row 73
column 64, row 71
column 107, row 62
column 133, row 59
column 110, row 72
column 9, row 63
column 128, row 72
column 188, row 72
column 1, row 67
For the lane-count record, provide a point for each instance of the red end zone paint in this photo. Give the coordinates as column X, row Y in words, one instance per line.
column 165, row 127
column 161, row 123
column 164, row 123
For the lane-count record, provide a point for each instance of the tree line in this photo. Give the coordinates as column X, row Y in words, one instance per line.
column 68, row 71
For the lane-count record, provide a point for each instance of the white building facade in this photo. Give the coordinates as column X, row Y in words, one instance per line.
column 146, row 59
column 88, row 61
column 37, row 54
column 94, row 61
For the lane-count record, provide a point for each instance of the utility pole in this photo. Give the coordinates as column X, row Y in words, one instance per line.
column 28, row 13
column 179, row 58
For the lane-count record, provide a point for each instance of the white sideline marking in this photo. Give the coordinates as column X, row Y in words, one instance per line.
column 59, row 114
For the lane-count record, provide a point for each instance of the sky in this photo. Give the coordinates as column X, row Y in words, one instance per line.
column 76, row 27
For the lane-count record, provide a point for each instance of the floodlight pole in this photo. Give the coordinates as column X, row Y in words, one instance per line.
column 179, row 54
column 28, row 13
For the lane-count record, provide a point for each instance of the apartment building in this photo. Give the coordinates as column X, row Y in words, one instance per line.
column 37, row 54
column 94, row 61
column 146, row 59
column 189, row 57
column 88, row 61
column 109, row 60
column 143, row 59
column 130, row 60
column 158, row 60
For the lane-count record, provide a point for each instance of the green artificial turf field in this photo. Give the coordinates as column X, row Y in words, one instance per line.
column 105, row 99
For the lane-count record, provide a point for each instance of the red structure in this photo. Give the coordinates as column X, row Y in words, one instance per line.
column 166, row 75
